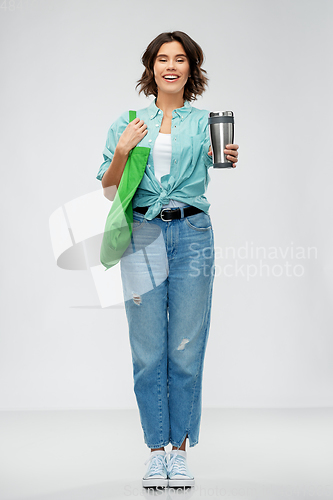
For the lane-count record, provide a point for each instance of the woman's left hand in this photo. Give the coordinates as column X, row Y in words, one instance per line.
column 230, row 151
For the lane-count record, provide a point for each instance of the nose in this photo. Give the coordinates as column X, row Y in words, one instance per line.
column 171, row 64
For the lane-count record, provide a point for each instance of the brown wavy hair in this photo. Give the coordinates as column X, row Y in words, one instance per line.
column 196, row 83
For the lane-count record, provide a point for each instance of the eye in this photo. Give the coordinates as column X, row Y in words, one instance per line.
column 180, row 60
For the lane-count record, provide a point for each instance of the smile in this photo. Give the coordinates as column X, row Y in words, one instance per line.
column 171, row 78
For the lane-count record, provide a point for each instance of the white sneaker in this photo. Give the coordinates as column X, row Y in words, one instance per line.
column 157, row 474
column 178, row 472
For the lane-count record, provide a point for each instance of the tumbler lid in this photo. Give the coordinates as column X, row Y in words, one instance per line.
column 221, row 113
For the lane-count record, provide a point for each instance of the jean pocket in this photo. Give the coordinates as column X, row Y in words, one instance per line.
column 138, row 220
column 199, row 222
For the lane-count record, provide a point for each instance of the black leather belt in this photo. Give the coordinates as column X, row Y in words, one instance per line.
column 170, row 214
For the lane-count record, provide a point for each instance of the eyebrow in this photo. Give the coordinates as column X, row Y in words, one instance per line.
column 165, row 55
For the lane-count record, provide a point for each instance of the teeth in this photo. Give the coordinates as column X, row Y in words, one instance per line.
column 171, row 77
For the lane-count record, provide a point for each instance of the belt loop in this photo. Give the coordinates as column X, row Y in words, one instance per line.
column 181, row 212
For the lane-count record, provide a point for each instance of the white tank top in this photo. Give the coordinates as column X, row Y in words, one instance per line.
column 162, row 162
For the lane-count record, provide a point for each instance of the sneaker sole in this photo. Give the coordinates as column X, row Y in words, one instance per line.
column 153, row 483
column 181, row 483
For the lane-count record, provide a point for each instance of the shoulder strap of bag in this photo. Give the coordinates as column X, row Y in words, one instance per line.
column 132, row 115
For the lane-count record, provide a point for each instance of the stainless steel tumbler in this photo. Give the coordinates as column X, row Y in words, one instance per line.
column 221, row 132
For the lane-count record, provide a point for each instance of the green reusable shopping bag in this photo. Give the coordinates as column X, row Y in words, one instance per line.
column 118, row 226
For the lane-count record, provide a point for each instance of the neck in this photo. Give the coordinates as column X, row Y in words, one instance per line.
column 168, row 102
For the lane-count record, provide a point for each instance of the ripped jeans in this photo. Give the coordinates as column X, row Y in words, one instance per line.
column 167, row 273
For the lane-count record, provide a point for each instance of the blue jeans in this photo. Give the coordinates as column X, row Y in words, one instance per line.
column 167, row 274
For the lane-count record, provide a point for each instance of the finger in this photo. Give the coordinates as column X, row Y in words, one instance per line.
column 232, row 146
column 232, row 151
column 232, row 156
column 143, row 131
column 136, row 123
column 141, row 124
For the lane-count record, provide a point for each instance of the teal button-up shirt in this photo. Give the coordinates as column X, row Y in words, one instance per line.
column 188, row 178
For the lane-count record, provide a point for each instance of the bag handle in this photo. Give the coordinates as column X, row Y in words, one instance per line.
column 132, row 115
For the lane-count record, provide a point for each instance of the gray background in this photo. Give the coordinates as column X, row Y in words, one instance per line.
column 69, row 69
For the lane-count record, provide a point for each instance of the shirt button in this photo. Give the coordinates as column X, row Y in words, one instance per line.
column 159, row 111
column 148, row 165
column 150, row 140
column 175, row 161
column 156, row 124
column 175, row 139
column 152, row 116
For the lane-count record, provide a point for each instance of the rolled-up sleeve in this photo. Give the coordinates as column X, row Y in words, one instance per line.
column 208, row 159
column 112, row 139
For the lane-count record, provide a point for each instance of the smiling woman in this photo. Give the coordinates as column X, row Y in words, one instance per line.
column 171, row 69
column 188, row 49
column 168, row 269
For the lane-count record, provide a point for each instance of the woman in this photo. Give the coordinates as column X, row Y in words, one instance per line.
column 168, row 269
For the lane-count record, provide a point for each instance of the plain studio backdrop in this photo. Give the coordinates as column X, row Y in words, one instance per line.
column 69, row 69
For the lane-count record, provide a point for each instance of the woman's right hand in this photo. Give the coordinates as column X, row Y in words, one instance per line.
column 132, row 135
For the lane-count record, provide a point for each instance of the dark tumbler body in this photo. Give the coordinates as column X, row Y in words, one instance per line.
column 221, row 132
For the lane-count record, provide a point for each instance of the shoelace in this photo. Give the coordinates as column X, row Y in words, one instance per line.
column 176, row 464
column 157, row 464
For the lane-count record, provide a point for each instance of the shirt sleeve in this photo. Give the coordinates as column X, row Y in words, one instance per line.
column 208, row 160
column 112, row 139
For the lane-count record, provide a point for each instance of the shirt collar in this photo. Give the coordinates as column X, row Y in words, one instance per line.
column 181, row 112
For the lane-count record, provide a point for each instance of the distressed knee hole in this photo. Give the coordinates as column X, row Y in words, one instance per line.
column 136, row 299
column 182, row 345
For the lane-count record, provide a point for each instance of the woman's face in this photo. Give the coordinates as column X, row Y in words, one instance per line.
column 171, row 68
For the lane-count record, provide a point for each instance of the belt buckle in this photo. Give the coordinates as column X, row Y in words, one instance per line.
column 161, row 215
